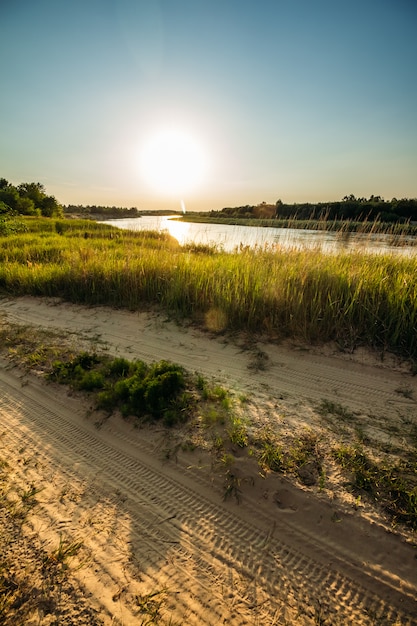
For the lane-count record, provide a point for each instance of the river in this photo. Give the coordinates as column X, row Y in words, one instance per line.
column 231, row 237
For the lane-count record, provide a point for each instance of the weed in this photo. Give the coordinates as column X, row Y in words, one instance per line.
column 217, row 444
column 232, row 487
column 65, row 551
column 392, row 486
column 271, row 457
column 327, row 407
column 151, row 605
column 238, row 432
column 211, row 415
column 29, row 495
column 227, row 460
column 259, row 361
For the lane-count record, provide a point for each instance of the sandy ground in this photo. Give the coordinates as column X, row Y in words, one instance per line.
column 156, row 531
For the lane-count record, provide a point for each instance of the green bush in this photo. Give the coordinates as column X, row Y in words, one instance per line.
column 133, row 387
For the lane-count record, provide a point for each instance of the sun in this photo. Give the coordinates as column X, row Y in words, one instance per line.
column 173, row 162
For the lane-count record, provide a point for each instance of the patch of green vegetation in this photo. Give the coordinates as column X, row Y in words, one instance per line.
column 238, row 432
column 157, row 390
column 300, row 457
column 327, row 407
column 271, row 456
column 214, row 401
column 394, row 487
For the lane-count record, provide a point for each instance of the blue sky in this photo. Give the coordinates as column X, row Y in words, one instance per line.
column 303, row 100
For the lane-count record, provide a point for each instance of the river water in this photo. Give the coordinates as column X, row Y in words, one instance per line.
column 231, row 237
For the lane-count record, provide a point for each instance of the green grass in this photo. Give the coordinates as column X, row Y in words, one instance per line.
column 351, row 298
column 300, row 456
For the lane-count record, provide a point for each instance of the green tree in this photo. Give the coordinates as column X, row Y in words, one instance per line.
column 47, row 206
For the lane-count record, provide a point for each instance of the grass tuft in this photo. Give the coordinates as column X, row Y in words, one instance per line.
column 392, row 486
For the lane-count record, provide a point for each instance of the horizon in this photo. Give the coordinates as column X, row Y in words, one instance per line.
column 208, row 105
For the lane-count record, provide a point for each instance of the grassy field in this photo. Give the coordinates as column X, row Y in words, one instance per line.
column 351, row 298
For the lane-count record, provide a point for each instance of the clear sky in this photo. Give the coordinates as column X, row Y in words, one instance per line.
column 241, row 101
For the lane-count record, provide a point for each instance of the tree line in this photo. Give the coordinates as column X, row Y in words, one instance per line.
column 103, row 212
column 373, row 208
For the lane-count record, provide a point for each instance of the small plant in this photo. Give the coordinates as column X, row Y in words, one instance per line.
column 327, row 407
column 392, row 486
column 259, row 361
column 120, row 367
column 63, row 553
column 29, row 496
column 232, row 486
column 73, row 371
column 238, row 432
column 271, row 457
column 150, row 604
column 211, row 415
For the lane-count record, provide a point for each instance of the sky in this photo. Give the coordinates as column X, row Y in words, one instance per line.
column 163, row 104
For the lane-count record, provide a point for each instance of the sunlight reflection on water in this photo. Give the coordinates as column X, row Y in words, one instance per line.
column 177, row 229
column 230, row 238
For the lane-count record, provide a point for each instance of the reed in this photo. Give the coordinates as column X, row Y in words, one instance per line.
column 374, row 226
column 352, row 298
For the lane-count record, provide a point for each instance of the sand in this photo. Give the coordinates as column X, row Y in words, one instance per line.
column 157, row 534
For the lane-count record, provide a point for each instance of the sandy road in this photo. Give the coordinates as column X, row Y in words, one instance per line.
column 282, row 556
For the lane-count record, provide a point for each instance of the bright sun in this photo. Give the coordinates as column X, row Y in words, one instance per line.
column 173, row 162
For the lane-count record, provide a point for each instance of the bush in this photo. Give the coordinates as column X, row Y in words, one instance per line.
column 133, row 387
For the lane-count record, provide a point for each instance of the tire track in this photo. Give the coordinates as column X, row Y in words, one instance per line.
column 228, row 542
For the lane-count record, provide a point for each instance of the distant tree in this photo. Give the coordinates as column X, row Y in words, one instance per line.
column 46, row 205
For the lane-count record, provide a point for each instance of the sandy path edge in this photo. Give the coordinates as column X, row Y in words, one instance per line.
column 280, row 557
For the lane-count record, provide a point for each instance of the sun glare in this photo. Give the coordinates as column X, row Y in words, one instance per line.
column 173, row 162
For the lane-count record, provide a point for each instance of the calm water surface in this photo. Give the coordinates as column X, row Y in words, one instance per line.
column 231, row 237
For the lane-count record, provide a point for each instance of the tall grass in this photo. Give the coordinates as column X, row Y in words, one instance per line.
column 365, row 227
column 352, row 298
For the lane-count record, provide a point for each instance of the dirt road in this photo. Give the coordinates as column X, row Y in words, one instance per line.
column 153, row 525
